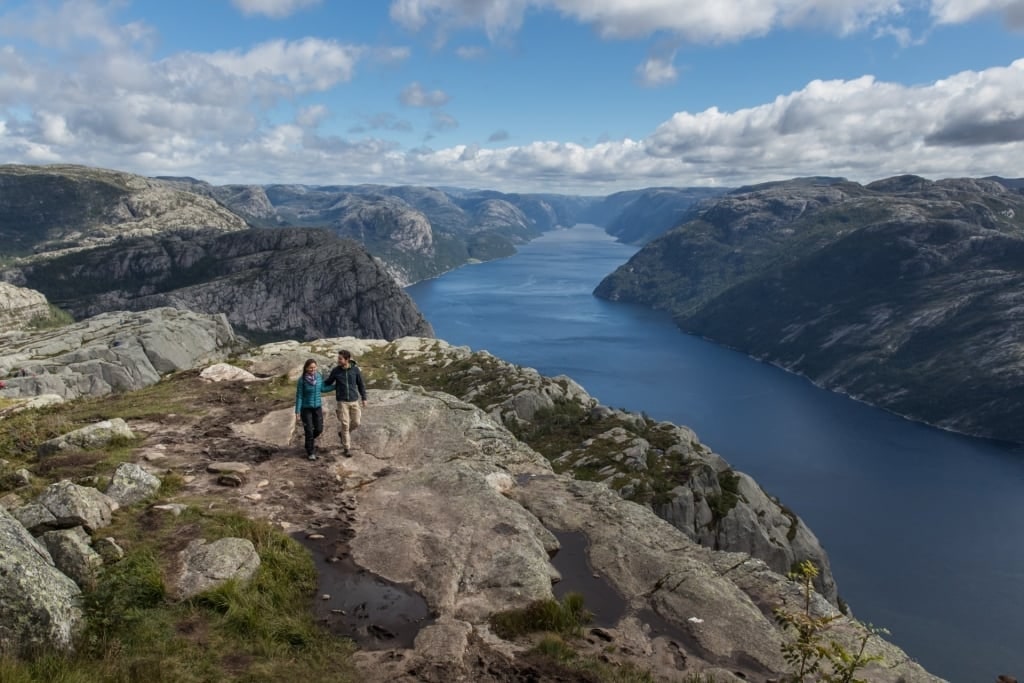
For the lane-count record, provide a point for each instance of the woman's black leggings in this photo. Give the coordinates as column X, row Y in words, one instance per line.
column 312, row 425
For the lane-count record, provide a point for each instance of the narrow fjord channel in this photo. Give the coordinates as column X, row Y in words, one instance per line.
column 923, row 527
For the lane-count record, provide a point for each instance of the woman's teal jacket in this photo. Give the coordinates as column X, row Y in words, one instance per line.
column 308, row 395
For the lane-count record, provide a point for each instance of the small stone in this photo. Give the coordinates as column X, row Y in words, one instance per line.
column 230, row 480
column 254, row 497
column 314, row 537
column 174, row 508
column 188, row 478
column 108, row 549
column 325, row 596
column 228, row 468
column 263, row 484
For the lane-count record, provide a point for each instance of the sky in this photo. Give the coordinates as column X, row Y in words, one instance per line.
column 565, row 96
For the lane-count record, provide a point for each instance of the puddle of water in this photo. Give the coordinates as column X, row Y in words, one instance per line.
column 360, row 605
column 599, row 596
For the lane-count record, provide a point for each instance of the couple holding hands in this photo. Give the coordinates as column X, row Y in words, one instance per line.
column 347, row 381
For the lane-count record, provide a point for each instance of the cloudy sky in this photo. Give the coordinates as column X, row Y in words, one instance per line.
column 570, row 96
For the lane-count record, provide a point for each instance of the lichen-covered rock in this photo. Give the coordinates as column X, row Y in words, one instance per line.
column 92, row 436
column 73, row 554
column 64, row 505
column 39, row 605
column 207, row 565
column 132, row 483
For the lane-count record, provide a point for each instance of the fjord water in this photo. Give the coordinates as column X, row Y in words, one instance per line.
column 925, row 529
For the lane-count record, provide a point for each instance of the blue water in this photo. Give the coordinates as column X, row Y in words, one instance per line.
column 925, row 529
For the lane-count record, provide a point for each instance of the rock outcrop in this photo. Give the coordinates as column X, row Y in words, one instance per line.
column 904, row 293
column 442, row 497
column 111, row 352
column 660, row 465
column 445, row 499
column 19, row 306
column 269, row 283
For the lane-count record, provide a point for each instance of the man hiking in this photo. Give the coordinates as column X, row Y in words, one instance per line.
column 351, row 394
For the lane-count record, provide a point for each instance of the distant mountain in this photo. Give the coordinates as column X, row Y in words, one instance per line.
column 51, row 208
column 270, row 284
column 905, row 293
column 417, row 232
column 638, row 216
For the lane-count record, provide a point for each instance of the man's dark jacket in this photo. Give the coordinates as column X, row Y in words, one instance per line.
column 347, row 382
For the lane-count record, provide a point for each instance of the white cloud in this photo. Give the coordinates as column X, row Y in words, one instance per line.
column 656, row 71
column 441, row 121
column 470, row 52
column 273, row 8
column 701, row 21
column 959, row 11
column 311, row 117
column 71, row 22
column 415, row 96
column 698, row 21
column 307, row 64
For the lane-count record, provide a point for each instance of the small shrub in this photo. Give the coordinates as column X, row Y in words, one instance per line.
column 812, row 654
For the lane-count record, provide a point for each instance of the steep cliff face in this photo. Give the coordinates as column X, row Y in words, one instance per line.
column 905, row 293
column 50, row 208
column 270, row 283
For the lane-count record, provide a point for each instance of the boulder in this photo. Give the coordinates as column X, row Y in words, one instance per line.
column 131, row 483
column 73, row 554
column 89, row 437
column 224, row 372
column 19, row 305
column 64, row 505
column 208, row 565
column 39, row 605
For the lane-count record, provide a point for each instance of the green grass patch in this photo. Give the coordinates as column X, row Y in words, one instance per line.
column 556, row 650
column 566, row 617
column 259, row 631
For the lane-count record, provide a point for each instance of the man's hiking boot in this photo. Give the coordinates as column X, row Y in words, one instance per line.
column 311, row 456
column 346, row 452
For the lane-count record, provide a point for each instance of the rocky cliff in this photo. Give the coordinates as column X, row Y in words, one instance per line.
column 62, row 207
column 904, row 293
column 440, row 500
column 270, row 283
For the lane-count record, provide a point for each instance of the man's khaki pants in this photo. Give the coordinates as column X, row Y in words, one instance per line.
column 349, row 415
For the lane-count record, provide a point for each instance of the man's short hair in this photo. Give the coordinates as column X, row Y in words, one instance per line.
column 344, row 353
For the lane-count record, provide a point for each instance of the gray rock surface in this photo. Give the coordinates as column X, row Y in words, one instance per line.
column 39, row 605
column 446, row 500
column 64, row 505
column 89, row 437
column 19, row 305
column 207, row 565
column 131, row 483
column 73, row 554
column 112, row 352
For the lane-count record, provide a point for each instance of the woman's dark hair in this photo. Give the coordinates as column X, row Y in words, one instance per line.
column 305, row 366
